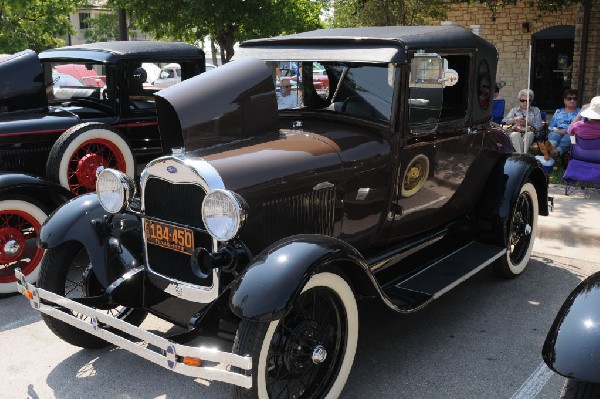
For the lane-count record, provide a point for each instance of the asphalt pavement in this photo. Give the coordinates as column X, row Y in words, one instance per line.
column 572, row 230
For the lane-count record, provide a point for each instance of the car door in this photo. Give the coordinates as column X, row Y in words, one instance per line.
column 438, row 150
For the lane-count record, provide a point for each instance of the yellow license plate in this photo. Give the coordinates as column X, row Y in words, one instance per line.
column 168, row 236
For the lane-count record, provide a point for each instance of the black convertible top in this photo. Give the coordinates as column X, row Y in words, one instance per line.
column 369, row 44
column 112, row 51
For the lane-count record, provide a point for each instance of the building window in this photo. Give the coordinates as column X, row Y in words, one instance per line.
column 83, row 20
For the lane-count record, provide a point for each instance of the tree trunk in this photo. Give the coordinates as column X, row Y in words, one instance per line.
column 213, row 51
column 225, row 40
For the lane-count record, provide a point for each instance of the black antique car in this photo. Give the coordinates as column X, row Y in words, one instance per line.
column 267, row 226
column 572, row 345
column 63, row 113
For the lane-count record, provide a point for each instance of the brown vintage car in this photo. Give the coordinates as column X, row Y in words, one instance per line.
column 268, row 226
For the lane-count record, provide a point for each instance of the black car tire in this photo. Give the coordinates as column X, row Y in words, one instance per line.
column 63, row 271
column 521, row 232
column 574, row 389
column 287, row 353
column 80, row 150
column 21, row 220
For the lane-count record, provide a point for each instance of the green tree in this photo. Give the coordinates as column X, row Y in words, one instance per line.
column 226, row 21
column 34, row 24
column 349, row 13
column 105, row 27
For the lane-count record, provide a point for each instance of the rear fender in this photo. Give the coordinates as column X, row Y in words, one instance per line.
column 507, row 179
column 572, row 346
column 275, row 278
column 113, row 243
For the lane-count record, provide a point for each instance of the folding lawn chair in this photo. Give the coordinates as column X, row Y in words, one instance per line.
column 583, row 169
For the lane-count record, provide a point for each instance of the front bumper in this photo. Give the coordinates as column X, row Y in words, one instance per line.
column 156, row 349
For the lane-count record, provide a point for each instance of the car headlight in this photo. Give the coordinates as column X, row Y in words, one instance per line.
column 223, row 214
column 115, row 190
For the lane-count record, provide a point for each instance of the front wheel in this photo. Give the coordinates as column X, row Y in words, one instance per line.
column 20, row 224
column 521, row 232
column 66, row 271
column 575, row 389
column 309, row 352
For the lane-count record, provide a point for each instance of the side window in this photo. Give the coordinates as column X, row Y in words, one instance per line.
column 484, row 92
column 432, row 103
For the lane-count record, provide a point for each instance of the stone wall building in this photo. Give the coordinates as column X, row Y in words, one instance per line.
column 555, row 42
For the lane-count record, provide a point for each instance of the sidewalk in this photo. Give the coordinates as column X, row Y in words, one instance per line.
column 572, row 229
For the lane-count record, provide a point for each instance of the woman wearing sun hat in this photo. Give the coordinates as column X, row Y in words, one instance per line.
column 588, row 128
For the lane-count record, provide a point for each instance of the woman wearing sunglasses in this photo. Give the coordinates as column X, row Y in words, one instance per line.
column 523, row 121
column 558, row 138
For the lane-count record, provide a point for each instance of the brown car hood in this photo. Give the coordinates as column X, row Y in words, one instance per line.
column 22, row 83
column 232, row 102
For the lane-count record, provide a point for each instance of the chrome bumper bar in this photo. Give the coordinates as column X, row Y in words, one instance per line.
column 168, row 355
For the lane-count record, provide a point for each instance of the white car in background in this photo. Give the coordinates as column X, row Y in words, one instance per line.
column 169, row 75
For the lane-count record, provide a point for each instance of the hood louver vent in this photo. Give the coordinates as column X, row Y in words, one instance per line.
column 311, row 213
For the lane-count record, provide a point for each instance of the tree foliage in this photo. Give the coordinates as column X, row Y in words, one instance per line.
column 34, row 24
column 105, row 28
column 349, row 13
column 226, row 21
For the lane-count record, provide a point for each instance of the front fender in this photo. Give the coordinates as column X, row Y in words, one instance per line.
column 113, row 243
column 44, row 191
column 277, row 275
column 572, row 346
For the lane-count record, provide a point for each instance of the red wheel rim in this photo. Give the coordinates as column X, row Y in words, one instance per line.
column 90, row 155
column 19, row 232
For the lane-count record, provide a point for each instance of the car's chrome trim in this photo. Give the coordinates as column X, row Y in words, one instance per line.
column 167, row 354
column 190, row 292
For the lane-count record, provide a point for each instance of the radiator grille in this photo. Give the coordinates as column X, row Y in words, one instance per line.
column 310, row 213
column 180, row 203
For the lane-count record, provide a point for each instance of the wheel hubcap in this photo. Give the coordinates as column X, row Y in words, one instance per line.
column 86, row 170
column 18, row 248
column 319, row 354
column 12, row 241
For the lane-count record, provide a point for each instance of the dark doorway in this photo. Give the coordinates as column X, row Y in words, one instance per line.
column 552, row 59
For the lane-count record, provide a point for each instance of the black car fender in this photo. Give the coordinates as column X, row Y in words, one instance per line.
column 572, row 344
column 45, row 192
column 113, row 243
column 276, row 276
column 505, row 183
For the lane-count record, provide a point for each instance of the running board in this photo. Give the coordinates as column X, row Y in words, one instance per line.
column 413, row 292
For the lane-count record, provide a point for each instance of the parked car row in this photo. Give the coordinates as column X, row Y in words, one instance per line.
column 63, row 113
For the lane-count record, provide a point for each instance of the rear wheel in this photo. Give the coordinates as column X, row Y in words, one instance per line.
column 20, row 224
column 66, row 270
column 309, row 352
column 79, row 152
column 574, row 389
column 521, row 229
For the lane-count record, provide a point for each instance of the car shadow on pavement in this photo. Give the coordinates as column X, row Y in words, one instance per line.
column 483, row 339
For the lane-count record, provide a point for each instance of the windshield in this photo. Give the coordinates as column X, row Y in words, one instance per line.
column 362, row 90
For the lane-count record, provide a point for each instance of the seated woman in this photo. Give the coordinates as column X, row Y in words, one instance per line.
column 524, row 120
column 558, row 138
